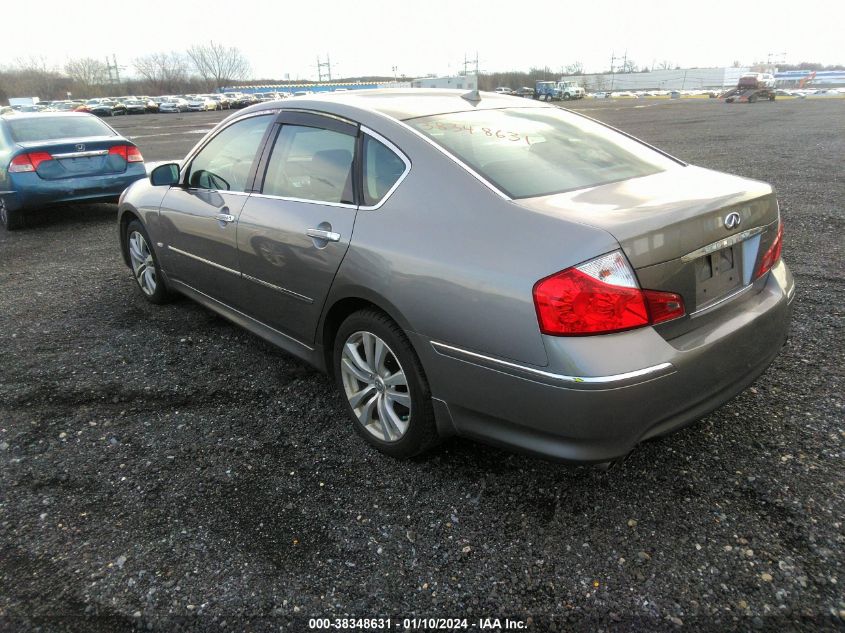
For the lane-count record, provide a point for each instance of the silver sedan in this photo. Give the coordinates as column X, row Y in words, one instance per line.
column 473, row 264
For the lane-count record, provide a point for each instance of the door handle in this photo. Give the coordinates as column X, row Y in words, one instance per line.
column 322, row 234
column 225, row 217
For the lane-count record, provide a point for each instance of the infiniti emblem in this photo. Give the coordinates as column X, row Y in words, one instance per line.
column 732, row 220
column 80, row 147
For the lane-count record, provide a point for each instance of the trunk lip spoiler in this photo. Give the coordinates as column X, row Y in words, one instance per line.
column 723, row 243
column 94, row 152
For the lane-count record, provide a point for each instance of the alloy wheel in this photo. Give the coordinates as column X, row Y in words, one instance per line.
column 376, row 386
column 143, row 266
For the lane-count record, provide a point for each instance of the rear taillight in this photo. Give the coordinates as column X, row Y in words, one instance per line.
column 28, row 162
column 598, row 297
column 771, row 256
column 129, row 153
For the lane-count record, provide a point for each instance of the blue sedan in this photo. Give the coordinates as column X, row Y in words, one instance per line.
column 56, row 158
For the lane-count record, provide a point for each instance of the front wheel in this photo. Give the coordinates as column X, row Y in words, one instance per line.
column 144, row 264
column 383, row 384
column 566, row 96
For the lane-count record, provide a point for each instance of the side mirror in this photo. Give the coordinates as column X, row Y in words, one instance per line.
column 167, row 174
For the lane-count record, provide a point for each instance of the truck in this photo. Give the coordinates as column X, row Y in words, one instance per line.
column 23, row 101
column 570, row 90
column 557, row 90
column 752, row 87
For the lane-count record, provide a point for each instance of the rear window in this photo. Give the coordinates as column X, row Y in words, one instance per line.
column 529, row 152
column 46, row 128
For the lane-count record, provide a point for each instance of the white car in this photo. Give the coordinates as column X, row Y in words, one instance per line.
column 173, row 105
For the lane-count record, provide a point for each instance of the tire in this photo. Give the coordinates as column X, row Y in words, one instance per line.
column 566, row 96
column 11, row 220
column 401, row 426
column 144, row 264
column 752, row 99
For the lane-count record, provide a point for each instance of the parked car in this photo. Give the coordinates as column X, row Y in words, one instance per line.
column 504, row 90
column 174, row 104
column 525, row 91
column 224, row 102
column 53, row 158
column 61, row 106
column 201, row 103
column 135, row 106
column 150, row 104
column 239, row 100
column 580, row 292
column 103, row 107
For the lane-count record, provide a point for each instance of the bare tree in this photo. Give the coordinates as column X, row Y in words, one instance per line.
column 219, row 65
column 33, row 76
column 86, row 71
column 575, row 69
column 166, row 72
column 629, row 66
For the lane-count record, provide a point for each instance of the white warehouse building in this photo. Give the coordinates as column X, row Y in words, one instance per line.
column 461, row 82
column 677, row 79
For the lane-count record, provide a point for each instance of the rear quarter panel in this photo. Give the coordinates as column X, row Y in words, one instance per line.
column 456, row 261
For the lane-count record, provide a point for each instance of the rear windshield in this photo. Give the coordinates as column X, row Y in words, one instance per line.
column 529, row 152
column 45, row 128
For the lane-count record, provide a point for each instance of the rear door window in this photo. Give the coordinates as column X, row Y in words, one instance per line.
column 311, row 163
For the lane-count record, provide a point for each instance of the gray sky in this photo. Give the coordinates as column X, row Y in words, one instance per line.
column 369, row 37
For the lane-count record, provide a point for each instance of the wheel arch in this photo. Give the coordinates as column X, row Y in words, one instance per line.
column 125, row 216
column 338, row 308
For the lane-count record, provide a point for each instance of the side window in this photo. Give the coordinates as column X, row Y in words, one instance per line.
column 225, row 162
column 311, row 163
column 382, row 168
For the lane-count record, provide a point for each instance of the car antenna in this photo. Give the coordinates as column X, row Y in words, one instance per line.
column 473, row 97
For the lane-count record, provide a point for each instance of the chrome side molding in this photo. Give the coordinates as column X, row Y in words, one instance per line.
column 608, row 382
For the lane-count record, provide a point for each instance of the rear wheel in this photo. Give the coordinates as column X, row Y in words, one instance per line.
column 752, row 98
column 566, row 96
column 11, row 220
column 145, row 268
column 384, row 386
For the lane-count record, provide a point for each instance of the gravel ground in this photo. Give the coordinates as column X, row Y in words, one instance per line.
column 163, row 470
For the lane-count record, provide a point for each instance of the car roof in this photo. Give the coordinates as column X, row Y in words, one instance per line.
column 409, row 103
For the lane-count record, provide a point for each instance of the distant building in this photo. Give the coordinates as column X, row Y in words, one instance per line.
column 815, row 78
column 676, row 79
column 461, row 82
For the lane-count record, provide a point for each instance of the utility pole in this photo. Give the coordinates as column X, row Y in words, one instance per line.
column 613, row 59
column 469, row 62
column 327, row 65
column 113, row 69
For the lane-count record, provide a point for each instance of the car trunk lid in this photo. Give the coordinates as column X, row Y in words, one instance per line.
column 675, row 229
column 75, row 157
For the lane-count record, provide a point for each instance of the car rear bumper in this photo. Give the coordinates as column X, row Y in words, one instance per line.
column 601, row 416
column 30, row 190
